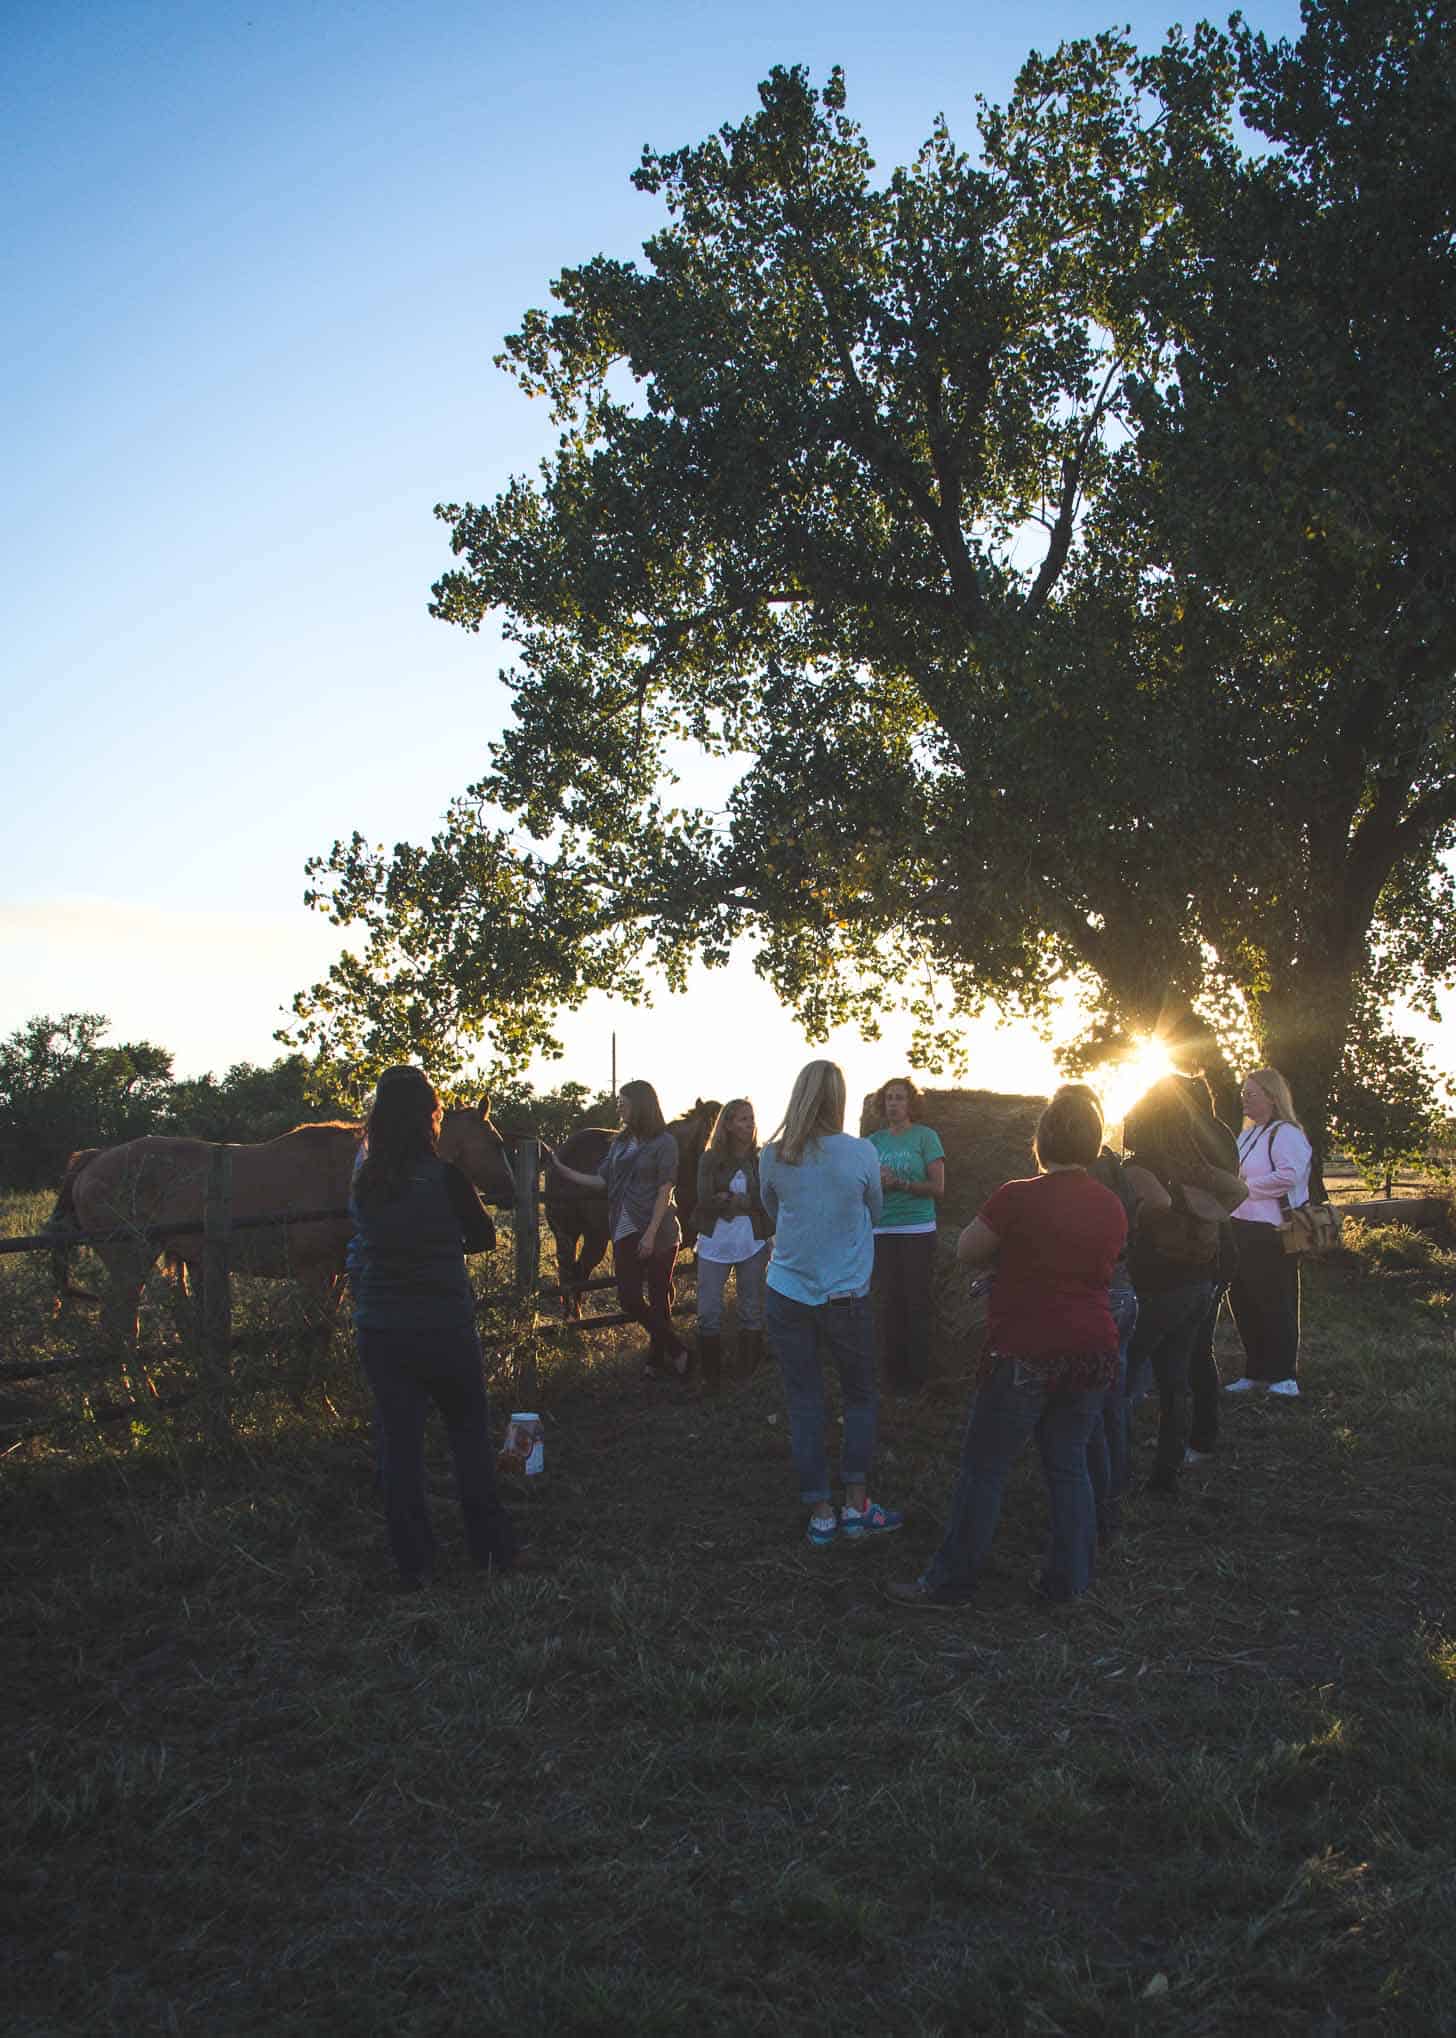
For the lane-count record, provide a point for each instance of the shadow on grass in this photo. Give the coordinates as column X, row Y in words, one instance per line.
column 692, row 1774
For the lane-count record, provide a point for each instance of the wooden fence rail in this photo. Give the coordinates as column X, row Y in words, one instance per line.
column 158, row 1234
column 218, row 1225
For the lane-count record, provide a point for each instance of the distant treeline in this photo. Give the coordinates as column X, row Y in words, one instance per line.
column 64, row 1086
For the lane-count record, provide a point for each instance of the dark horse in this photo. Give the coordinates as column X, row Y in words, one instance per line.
column 578, row 1217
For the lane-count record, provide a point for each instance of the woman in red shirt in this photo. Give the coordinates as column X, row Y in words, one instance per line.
column 1051, row 1355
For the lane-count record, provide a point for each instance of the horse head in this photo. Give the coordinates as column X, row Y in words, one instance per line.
column 468, row 1137
column 692, row 1132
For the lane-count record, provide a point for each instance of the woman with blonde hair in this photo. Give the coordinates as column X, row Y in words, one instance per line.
column 1274, row 1160
column 821, row 1190
column 638, row 1174
column 733, row 1238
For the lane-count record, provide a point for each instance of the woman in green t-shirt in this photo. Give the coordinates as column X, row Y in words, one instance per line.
column 912, row 1174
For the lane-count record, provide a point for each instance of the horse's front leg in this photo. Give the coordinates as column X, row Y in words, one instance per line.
column 568, row 1274
column 593, row 1251
column 184, row 1289
column 121, row 1305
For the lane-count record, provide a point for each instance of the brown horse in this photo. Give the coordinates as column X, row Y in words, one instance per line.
column 159, row 1181
column 578, row 1217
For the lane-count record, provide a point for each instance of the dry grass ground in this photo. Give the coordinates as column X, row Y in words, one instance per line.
column 692, row 1775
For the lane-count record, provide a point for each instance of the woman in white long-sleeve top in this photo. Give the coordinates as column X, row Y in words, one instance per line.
column 1274, row 1160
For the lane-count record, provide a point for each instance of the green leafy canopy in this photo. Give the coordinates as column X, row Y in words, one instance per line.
column 934, row 511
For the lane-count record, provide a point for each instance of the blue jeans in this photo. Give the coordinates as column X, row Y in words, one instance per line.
column 1167, row 1329
column 1107, row 1447
column 796, row 1332
column 1013, row 1403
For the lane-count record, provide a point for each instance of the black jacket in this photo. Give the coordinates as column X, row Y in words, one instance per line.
column 407, row 1256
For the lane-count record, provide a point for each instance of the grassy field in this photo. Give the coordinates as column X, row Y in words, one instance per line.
column 691, row 1775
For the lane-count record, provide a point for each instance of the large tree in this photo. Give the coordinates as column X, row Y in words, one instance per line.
column 1294, row 493
column 804, row 448
column 62, row 1086
column 878, row 495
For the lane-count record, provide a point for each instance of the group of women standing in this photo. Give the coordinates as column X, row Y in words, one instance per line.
column 1111, row 1280
column 1106, row 1274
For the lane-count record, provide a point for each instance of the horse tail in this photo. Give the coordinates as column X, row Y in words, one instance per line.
column 64, row 1218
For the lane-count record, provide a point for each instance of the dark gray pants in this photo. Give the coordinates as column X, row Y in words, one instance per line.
column 1264, row 1298
column 1203, row 1379
column 1168, row 1323
column 409, row 1369
column 904, row 1267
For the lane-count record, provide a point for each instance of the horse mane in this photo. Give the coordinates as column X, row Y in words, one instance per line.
column 705, row 1109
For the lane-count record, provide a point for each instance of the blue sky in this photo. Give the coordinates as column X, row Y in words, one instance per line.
column 257, row 262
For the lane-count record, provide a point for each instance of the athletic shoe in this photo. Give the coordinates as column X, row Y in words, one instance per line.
column 1192, row 1457
column 1245, row 1386
column 916, row 1594
column 821, row 1530
column 1289, row 1388
column 869, row 1520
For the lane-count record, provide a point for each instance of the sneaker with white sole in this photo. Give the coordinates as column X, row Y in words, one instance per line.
column 1192, row 1457
column 869, row 1520
column 821, row 1531
column 1289, row 1388
column 1244, row 1386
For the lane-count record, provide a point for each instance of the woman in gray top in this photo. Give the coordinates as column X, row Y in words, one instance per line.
column 638, row 1174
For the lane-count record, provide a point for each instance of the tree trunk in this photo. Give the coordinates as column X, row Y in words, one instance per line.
column 1302, row 1022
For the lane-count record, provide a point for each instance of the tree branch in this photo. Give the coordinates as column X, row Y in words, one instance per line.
column 1071, row 490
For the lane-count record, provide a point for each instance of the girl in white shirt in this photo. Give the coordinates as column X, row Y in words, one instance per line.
column 1274, row 1160
column 733, row 1238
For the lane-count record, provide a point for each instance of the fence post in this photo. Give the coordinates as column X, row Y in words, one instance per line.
column 527, row 1224
column 217, row 1300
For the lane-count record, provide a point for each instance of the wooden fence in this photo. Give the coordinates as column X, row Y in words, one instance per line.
column 218, row 1227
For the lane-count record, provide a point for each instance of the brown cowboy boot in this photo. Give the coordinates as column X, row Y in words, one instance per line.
column 710, row 1358
column 750, row 1351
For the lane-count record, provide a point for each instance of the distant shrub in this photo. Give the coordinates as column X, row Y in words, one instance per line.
column 1393, row 1248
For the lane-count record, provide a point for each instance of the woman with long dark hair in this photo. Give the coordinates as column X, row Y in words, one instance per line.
column 415, row 1218
column 638, row 1173
column 733, row 1238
